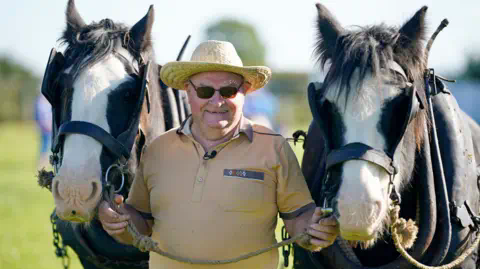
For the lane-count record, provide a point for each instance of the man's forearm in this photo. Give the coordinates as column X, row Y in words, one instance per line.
column 300, row 225
column 143, row 226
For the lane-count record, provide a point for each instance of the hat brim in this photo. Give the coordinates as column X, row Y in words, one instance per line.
column 175, row 74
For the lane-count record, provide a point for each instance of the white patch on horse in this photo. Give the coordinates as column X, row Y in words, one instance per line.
column 362, row 195
column 89, row 103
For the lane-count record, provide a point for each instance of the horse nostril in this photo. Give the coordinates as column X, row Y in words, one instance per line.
column 94, row 191
column 56, row 191
column 74, row 212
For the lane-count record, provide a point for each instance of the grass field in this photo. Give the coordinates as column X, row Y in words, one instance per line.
column 26, row 237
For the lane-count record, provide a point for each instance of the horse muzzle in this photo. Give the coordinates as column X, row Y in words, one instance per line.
column 76, row 201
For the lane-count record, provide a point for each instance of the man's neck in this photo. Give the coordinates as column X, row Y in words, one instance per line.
column 209, row 143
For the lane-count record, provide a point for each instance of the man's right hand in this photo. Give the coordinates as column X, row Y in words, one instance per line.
column 112, row 222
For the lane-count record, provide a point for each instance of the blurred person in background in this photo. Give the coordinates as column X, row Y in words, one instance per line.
column 43, row 120
column 261, row 107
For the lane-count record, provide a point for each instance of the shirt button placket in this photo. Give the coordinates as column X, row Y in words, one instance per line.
column 200, row 182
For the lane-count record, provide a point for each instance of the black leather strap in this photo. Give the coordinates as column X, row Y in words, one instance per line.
column 54, row 65
column 313, row 91
column 360, row 151
column 93, row 131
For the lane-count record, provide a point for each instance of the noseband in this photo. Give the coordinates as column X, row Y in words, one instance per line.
column 119, row 147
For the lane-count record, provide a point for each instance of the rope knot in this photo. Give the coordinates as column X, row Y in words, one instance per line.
column 144, row 243
column 406, row 231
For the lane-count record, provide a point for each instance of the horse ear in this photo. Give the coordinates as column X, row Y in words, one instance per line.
column 141, row 32
column 412, row 33
column 329, row 29
column 74, row 20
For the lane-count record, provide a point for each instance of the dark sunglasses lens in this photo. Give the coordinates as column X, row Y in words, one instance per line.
column 228, row 92
column 205, row 92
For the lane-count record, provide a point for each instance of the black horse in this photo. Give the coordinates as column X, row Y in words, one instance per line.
column 108, row 105
column 374, row 142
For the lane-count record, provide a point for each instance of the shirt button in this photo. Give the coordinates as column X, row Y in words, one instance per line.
column 200, row 179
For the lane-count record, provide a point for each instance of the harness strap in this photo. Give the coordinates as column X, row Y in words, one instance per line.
column 94, row 131
column 127, row 138
column 360, row 151
column 313, row 89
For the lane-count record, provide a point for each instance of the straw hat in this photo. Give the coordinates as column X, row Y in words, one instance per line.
column 213, row 55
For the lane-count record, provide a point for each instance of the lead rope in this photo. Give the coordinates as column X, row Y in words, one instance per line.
column 146, row 243
column 394, row 215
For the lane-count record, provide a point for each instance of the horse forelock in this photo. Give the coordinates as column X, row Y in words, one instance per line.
column 368, row 49
column 94, row 42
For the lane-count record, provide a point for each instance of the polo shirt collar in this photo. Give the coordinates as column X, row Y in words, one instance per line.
column 244, row 127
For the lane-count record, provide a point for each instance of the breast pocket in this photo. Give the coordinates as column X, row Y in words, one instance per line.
column 243, row 190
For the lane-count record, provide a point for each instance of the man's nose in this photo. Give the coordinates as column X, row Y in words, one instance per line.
column 217, row 99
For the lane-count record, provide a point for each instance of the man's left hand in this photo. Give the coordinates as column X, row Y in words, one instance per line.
column 323, row 230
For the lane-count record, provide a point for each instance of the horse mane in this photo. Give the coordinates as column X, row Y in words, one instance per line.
column 369, row 49
column 92, row 43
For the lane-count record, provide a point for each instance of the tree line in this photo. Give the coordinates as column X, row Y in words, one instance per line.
column 19, row 86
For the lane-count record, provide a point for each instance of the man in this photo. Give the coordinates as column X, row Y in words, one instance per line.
column 212, row 188
column 43, row 118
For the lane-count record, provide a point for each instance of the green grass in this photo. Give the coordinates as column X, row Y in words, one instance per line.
column 26, row 237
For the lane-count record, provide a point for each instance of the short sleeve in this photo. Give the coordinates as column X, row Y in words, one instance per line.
column 293, row 196
column 139, row 195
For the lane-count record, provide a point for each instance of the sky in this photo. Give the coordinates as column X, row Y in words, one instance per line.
column 31, row 28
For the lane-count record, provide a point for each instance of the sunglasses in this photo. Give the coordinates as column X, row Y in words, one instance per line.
column 206, row 92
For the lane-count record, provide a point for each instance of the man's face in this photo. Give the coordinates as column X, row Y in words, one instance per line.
column 217, row 115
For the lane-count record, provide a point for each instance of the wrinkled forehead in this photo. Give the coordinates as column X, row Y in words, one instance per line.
column 217, row 77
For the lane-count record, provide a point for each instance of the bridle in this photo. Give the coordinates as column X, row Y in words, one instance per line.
column 357, row 150
column 119, row 147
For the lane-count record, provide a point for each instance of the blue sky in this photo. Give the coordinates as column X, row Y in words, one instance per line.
column 31, row 28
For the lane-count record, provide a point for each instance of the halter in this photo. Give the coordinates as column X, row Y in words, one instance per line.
column 119, row 146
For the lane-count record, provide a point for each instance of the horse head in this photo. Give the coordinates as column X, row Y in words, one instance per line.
column 100, row 107
column 369, row 109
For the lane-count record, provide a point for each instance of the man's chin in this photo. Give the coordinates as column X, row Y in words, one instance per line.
column 217, row 124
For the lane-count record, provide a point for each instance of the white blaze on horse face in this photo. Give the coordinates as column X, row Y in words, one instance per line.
column 362, row 196
column 81, row 168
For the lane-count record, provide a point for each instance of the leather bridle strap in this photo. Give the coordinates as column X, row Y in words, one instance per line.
column 360, row 151
column 93, row 131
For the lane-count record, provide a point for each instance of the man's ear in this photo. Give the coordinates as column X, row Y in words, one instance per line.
column 187, row 89
column 247, row 86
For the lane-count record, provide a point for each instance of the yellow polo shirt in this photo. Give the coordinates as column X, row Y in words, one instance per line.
column 221, row 205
